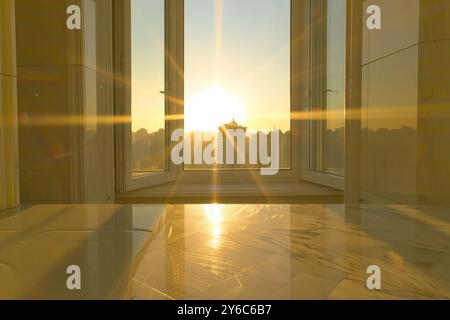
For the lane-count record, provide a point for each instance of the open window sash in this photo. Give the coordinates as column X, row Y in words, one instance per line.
column 132, row 176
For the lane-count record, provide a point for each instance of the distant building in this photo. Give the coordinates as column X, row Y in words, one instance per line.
column 233, row 125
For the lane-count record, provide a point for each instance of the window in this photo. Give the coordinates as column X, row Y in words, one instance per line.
column 323, row 127
column 237, row 72
column 147, row 86
column 206, row 66
column 328, row 86
column 145, row 93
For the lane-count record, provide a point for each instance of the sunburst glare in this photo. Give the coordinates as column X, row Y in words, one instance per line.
column 211, row 108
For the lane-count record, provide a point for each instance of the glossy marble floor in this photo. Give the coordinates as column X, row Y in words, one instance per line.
column 225, row 252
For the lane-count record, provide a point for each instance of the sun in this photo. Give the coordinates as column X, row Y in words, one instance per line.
column 211, row 108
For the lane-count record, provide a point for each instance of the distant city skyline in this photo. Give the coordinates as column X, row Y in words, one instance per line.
column 149, row 149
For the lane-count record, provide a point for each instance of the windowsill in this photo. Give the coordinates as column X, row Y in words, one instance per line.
column 274, row 192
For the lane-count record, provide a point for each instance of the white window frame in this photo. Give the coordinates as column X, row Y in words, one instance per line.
column 126, row 179
column 306, row 91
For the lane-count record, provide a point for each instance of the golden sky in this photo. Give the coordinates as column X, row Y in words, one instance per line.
column 237, row 63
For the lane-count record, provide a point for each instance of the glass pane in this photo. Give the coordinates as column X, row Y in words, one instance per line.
column 147, row 83
column 328, row 86
column 237, row 73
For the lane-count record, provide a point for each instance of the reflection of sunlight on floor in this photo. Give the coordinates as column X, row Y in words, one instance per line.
column 206, row 251
column 213, row 214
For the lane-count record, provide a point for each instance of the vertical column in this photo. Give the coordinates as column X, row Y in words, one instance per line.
column 97, row 69
column 433, row 170
column 64, row 90
column 353, row 102
column 405, row 105
column 9, row 176
column 388, row 136
column 50, row 101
